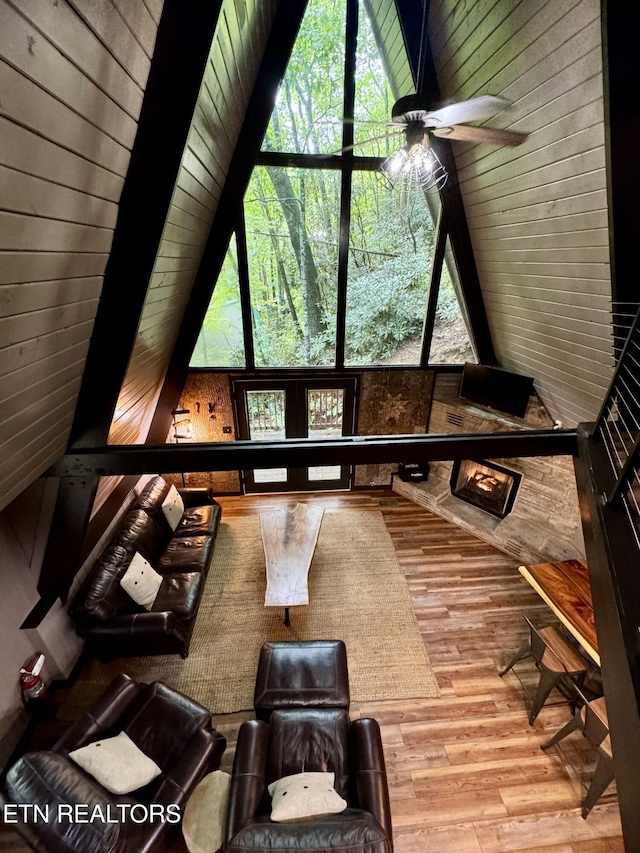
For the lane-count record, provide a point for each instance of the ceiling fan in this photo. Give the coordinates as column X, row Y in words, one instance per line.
column 416, row 161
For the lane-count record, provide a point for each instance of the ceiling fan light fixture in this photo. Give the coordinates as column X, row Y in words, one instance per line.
column 415, row 165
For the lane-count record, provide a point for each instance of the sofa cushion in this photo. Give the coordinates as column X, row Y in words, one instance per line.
column 199, row 521
column 172, row 508
column 139, row 531
column 304, row 795
column 141, row 581
column 180, row 594
column 352, row 831
column 117, row 763
column 101, row 597
column 186, row 554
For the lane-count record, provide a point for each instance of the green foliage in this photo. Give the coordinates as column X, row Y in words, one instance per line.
column 292, row 224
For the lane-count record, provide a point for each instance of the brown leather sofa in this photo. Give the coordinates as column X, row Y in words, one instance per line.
column 306, row 738
column 169, row 727
column 109, row 619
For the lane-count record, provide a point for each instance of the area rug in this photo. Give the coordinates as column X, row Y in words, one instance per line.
column 357, row 593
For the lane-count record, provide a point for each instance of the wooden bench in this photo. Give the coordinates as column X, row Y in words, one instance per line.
column 289, row 538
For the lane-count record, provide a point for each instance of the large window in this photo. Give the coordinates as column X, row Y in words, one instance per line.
column 332, row 268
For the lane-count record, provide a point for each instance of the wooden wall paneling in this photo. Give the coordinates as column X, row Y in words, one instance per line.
column 28, row 152
column 141, row 23
column 155, row 9
column 109, row 26
column 181, row 56
column 548, row 292
column 25, row 103
column 58, row 75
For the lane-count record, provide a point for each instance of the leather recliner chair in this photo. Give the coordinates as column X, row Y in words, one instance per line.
column 170, row 728
column 310, row 739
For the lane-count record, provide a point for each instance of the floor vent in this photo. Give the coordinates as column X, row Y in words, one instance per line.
column 455, row 419
column 387, row 502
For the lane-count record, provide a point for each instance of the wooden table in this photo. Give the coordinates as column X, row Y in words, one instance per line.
column 565, row 588
column 289, row 537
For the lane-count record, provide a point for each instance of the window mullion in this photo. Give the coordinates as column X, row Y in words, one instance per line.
column 434, row 289
column 245, row 296
column 347, row 170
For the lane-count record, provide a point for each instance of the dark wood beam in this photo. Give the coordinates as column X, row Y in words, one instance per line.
column 284, row 30
column 296, row 453
column 621, row 77
column 422, row 65
column 611, row 551
column 181, row 53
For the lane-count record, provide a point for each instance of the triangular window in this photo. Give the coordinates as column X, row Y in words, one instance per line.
column 333, row 268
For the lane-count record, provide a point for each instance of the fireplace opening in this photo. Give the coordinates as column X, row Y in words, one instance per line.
column 485, row 485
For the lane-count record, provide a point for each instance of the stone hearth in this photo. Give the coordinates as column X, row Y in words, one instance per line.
column 544, row 523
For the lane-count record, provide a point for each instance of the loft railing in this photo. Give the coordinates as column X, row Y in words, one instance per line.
column 618, row 424
column 607, row 474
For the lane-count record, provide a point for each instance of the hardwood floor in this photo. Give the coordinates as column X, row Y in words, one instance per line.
column 466, row 771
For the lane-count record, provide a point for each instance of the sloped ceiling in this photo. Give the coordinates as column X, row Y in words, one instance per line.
column 537, row 213
column 238, row 44
column 72, row 75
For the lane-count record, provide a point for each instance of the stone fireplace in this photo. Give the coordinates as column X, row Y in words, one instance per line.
column 486, row 485
column 544, row 519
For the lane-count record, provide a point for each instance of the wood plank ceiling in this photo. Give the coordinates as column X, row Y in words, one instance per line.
column 237, row 48
column 537, row 214
column 72, row 75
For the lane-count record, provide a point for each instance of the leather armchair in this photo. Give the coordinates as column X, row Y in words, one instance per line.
column 169, row 727
column 310, row 739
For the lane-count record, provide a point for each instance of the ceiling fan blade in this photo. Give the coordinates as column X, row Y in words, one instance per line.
column 485, row 106
column 386, row 135
column 492, row 135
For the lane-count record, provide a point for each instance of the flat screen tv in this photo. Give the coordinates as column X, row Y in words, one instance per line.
column 498, row 389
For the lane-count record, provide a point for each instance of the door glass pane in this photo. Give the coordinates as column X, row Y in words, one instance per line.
column 325, row 416
column 292, row 218
column 269, row 475
column 266, row 421
column 391, row 246
column 265, row 415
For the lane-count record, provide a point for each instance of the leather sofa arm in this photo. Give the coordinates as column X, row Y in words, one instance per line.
column 102, row 715
column 369, row 771
column 249, row 772
column 196, row 496
column 200, row 756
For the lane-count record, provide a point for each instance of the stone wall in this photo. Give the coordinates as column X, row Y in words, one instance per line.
column 544, row 523
column 208, row 398
column 392, row 402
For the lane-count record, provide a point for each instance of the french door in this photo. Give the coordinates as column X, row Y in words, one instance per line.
column 273, row 409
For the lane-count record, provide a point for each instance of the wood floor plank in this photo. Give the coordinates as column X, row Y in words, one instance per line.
column 466, row 772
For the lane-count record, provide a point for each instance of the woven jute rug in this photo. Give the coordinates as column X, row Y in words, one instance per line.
column 357, row 593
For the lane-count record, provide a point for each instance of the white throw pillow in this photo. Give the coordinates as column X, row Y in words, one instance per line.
column 304, row 795
column 117, row 764
column 141, row 581
column 173, row 507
